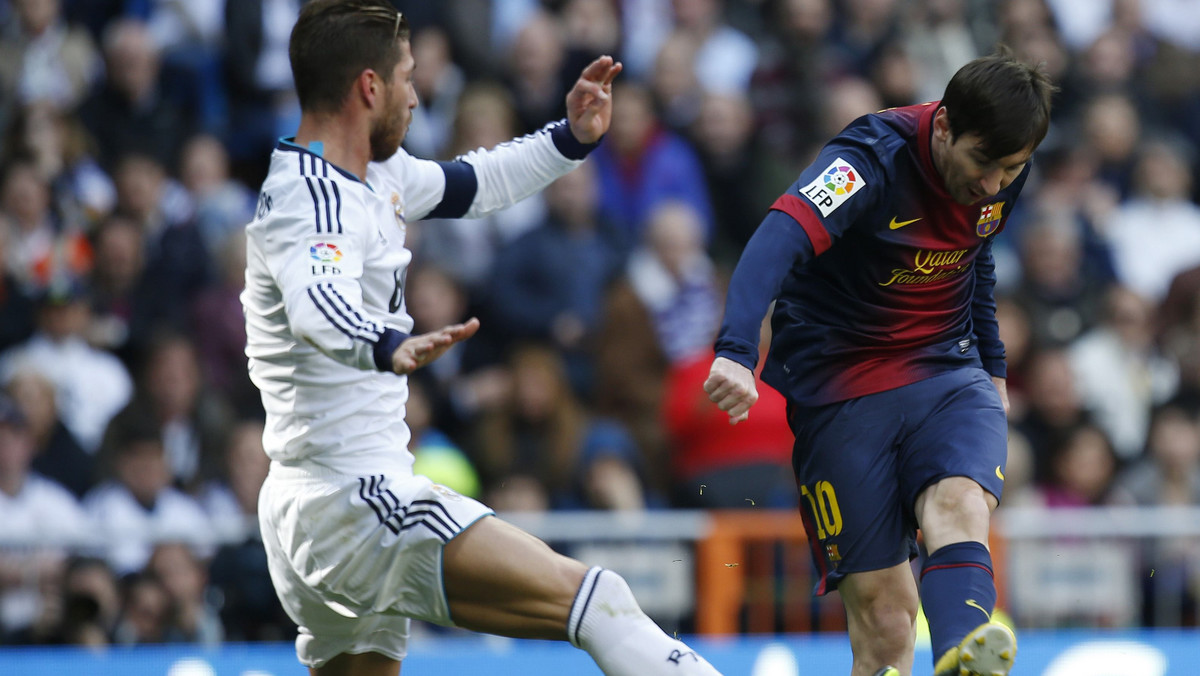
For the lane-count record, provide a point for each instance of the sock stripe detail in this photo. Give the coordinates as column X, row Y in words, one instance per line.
column 943, row 566
column 586, row 590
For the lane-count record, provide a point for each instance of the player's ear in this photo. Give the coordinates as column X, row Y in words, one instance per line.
column 369, row 86
column 941, row 125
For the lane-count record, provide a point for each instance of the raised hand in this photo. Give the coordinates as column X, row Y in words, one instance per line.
column 419, row 350
column 589, row 103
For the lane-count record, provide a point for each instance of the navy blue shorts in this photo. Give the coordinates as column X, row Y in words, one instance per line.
column 861, row 463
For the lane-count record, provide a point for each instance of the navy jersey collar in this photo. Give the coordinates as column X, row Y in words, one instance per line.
column 316, row 149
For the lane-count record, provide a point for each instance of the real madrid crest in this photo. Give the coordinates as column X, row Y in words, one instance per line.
column 989, row 219
column 398, row 209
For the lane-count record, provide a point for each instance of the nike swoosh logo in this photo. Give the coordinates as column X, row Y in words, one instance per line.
column 999, row 473
column 974, row 604
column 894, row 225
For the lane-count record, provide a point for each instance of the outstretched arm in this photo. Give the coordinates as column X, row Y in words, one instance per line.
column 483, row 181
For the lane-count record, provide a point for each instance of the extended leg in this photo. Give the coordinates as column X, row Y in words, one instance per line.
column 502, row 580
column 881, row 611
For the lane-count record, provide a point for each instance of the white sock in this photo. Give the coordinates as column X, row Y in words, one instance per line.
column 607, row 622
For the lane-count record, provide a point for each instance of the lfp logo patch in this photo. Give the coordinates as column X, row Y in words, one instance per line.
column 325, row 252
column 839, row 182
column 989, row 219
column 840, row 179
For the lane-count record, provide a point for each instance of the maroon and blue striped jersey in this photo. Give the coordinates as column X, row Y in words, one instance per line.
column 880, row 279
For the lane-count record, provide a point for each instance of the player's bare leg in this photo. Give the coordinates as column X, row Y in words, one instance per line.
column 501, row 580
column 957, row 584
column 366, row 664
column 881, row 614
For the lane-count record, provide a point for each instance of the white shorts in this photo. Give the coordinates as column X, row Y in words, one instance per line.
column 354, row 558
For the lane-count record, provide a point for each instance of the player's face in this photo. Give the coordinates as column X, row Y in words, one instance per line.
column 969, row 174
column 400, row 97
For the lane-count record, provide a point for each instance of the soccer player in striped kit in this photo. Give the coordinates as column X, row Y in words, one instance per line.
column 885, row 343
column 357, row 544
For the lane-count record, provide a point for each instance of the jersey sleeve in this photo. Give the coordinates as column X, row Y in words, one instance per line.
column 483, row 181
column 318, row 264
column 983, row 313
column 823, row 203
column 833, row 193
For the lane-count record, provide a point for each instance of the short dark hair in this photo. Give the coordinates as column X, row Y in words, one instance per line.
column 335, row 40
column 1004, row 101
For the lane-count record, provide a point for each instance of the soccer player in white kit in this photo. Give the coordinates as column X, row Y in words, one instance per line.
column 357, row 544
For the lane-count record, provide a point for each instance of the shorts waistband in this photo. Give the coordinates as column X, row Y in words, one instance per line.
column 312, row 471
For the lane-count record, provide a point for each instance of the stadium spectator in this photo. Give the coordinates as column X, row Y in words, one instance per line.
column 1082, row 466
column 1053, row 407
column 662, row 310
column 56, row 143
column 715, row 465
column 742, row 179
column 44, row 59
column 676, row 88
column 57, row 455
column 1112, row 130
column 538, row 57
column 221, row 206
column 129, row 113
column 539, row 433
column 40, row 519
column 90, row 385
column 725, row 56
column 219, row 330
column 467, row 248
column 138, row 505
column 119, row 294
column 642, row 164
column 176, row 267
column 41, row 247
column 439, row 82
column 1155, row 234
column 1060, row 297
column 468, row 378
column 192, row 618
column 436, row 455
column 145, row 611
column 258, row 81
column 1121, row 374
column 91, row 603
column 549, row 284
column 192, row 421
column 16, row 304
column 249, row 609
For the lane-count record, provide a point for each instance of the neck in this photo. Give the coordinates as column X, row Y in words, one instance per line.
column 11, row 484
column 345, row 139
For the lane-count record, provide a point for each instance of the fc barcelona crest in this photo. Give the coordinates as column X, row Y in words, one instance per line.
column 989, row 219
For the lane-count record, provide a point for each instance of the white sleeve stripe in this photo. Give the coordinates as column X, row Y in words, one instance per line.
column 370, row 324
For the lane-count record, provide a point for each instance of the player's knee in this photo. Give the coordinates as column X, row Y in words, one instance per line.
column 956, row 500
column 890, row 626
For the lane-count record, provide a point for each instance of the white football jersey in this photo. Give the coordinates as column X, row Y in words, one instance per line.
column 324, row 296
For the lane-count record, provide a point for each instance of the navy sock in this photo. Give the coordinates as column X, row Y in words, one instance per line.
column 958, row 593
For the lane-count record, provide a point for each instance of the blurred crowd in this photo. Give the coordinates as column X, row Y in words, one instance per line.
column 134, row 135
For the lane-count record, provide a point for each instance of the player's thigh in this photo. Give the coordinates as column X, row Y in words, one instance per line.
column 963, row 432
column 362, row 664
column 845, row 464
column 501, row 580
